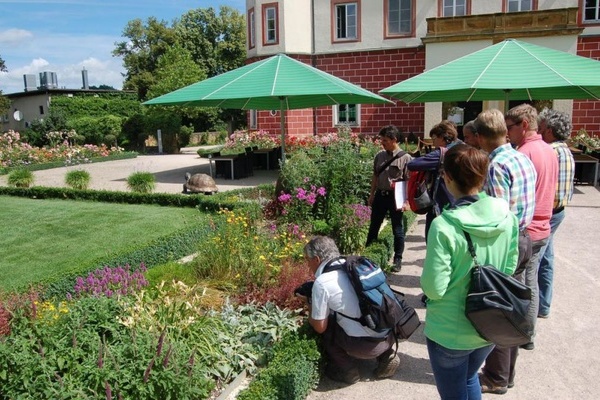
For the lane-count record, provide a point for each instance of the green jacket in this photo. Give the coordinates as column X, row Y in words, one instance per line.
column 494, row 230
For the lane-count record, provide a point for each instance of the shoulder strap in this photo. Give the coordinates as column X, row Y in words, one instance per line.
column 339, row 266
column 471, row 248
column 388, row 162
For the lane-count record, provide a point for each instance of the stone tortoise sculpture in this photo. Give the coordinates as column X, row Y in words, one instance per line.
column 199, row 183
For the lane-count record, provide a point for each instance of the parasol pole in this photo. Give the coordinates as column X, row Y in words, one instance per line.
column 506, row 95
column 282, row 121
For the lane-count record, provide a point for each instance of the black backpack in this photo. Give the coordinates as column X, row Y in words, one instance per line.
column 382, row 308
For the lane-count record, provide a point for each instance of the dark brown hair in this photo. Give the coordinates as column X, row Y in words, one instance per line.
column 467, row 166
column 446, row 130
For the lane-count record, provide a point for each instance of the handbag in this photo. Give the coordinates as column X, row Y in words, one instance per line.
column 497, row 305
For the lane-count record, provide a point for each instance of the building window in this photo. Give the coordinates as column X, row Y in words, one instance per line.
column 41, row 110
column 591, row 11
column 270, row 24
column 520, row 5
column 251, row 29
column 399, row 17
column 454, row 8
column 253, row 119
column 346, row 21
column 346, row 114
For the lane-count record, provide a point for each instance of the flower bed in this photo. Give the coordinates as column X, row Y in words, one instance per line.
column 15, row 153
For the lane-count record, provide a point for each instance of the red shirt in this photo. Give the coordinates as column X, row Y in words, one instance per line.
column 546, row 165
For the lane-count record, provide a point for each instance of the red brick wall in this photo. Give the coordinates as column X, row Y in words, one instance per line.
column 586, row 113
column 372, row 70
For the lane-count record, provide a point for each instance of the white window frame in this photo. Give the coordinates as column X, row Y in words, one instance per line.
column 450, row 10
column 595, row 7
column 268, row 20
column 519, row 4
column 252, row 30
column 337, row 114
column 253, row 119
column 350, row 21
column 399, row 7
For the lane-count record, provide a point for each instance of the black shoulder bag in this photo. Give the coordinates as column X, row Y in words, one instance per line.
column 497, row 305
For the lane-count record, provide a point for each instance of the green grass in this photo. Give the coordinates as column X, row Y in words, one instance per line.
column 40, row 238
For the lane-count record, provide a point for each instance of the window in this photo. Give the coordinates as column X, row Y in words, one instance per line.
column 591, row 11
column 347, row 114
column 346, row 21
column 270, row 24
column 399, row 17
column 454, row 8
column 41, row 110
column 253, row 116
column 251, row 29
column 520, row 5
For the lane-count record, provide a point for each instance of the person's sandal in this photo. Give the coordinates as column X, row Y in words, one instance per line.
column 488, row 387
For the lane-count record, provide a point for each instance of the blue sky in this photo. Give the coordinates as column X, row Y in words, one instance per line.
column 64, row 36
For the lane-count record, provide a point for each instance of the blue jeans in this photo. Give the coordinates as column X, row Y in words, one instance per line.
column 546, row 268
column 455, row 371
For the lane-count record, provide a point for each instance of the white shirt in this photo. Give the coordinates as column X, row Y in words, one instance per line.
column 333, row 292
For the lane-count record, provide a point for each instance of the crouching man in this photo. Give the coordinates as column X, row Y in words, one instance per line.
column 345, row 341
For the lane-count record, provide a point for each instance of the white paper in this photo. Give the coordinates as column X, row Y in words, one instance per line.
column 400, row 193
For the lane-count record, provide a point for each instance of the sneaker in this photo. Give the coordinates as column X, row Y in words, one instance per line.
column 488, row 387
column 397, row 265
column 424, row 299
column 527, row 346
column 544, row 316
column 350, row 376
column 388, row 365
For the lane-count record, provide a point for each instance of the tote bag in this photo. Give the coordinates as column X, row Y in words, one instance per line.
column 497, row 305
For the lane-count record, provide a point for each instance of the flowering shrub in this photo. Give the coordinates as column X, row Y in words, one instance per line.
column 49, row 313
column 261, row 139
column 303, row 205
column 119, row 281
column 14, row 153
column 353, row 228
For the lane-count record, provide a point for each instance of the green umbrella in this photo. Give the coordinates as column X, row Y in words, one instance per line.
column 275, row 83
column 507, row 70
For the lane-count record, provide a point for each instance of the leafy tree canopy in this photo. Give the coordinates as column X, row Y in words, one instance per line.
column 215, row 41
column 145, row 43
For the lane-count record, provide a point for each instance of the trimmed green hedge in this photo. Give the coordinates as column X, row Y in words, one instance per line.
column 160, row 251
column 230, row 200
column 292, row 372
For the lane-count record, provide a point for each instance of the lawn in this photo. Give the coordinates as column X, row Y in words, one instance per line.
column 41, row 238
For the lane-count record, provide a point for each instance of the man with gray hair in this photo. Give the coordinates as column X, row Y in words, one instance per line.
column 470, row 134
column 555, row 128
column 331, row 303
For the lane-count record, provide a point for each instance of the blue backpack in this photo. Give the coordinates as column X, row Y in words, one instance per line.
column 382, row 308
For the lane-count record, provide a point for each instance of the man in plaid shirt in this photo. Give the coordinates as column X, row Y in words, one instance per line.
column 555, row 128
column 511, row 176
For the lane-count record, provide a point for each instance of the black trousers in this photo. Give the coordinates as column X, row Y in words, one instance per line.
column 381, row 207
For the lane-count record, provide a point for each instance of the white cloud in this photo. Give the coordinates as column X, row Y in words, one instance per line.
column 66, row 55
column 13, row 37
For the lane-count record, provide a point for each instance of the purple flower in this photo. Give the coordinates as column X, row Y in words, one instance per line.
column 321, row 191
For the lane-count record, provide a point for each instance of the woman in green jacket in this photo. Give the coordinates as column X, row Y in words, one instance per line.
column 456, row 350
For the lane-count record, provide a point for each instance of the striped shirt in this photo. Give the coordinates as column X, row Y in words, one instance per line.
column 566, row 173
column 511, row 176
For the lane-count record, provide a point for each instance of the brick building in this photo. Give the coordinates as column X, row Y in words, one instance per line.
column 377, row 43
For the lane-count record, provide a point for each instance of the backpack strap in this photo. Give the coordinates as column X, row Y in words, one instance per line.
column 342, row 267
column 388, row 162
column 438, row 178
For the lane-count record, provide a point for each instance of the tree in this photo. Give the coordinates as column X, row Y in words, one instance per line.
column 144, row 45
column 174, row 70
column 218, row 42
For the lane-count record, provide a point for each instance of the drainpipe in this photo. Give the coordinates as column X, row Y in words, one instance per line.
column 313, row 57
